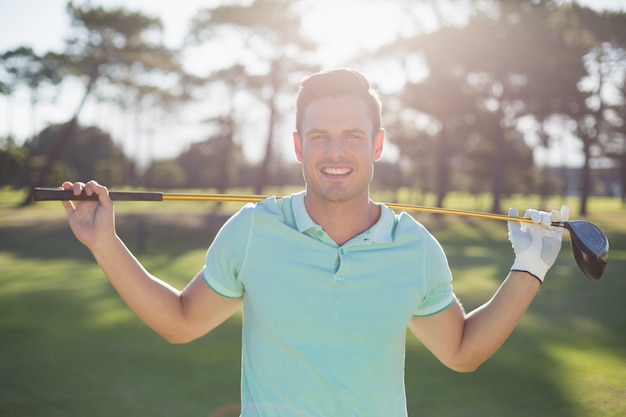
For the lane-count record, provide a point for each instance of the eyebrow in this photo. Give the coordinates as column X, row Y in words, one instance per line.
column 353, row 130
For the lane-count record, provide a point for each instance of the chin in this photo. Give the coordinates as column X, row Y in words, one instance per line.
column 339, row 196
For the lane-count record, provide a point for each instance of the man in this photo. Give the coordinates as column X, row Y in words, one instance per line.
column 329, row 280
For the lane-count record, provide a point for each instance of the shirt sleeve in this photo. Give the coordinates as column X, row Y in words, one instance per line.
column 226, row 255
column 437, row 280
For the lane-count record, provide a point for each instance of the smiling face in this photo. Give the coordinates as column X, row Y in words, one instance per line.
column 337, row 148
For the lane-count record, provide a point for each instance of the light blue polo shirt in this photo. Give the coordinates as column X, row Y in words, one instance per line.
column 324, row 326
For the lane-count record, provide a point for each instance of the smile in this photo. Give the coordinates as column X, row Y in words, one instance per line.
column 336, row 170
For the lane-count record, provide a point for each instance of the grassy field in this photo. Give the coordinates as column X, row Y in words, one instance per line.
column 69, row 347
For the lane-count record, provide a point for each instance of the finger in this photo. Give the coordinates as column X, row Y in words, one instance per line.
column 512, row 223
column 66, row 186
column 67, row 205
column 100, row 190
column 538, row 217
column 78, row 187
column 533, row 215
column 564, row 213
column 545, row 218
column 560, row 215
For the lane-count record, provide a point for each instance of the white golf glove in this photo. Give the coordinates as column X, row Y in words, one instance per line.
column 536, row 245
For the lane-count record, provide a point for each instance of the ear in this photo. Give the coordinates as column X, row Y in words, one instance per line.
column 379, row 141
column 297, row 145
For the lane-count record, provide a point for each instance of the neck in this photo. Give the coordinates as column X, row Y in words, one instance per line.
column 343, row 220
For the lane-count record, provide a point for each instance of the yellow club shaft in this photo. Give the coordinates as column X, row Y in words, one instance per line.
column 394, row 206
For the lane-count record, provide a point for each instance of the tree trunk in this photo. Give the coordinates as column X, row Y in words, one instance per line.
column 262, row 178
column 585, row 180
column 498, row 161
column 224, row 176
column 59, row 146
column 623, row 177
column 443, row 166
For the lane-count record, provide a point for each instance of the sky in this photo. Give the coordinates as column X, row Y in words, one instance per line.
column 44, row 24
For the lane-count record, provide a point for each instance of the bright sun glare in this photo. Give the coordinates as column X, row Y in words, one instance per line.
column 346, row 28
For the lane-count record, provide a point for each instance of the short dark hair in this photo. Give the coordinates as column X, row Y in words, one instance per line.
column 335, row 83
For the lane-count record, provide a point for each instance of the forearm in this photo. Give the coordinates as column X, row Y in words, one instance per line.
column 177, row 316
column 155, row 302
column 488, row 327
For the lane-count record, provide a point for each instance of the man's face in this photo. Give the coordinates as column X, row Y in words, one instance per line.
column 337, row 148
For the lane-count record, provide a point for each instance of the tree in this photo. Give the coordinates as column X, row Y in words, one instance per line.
column 165, row 173
column 114, row 52
column 12, row 159
column 599, row 39
column 579, row 42
column 441, row 97
column 475, row 72
column 214, row 162
column 225, row 158
column 272, row 53
column 617, row 140
column 91, row 153
column 22, row 66
column 509, row 61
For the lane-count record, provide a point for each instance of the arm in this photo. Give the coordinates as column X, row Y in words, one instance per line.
column 464, row 341
column 177, row 316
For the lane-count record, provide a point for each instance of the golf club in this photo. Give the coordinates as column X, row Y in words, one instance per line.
column 589, row 244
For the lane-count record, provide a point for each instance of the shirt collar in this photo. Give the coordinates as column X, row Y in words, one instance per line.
column 304, row 222
column 380, row 232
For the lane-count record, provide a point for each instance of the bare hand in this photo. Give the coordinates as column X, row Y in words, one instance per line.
column 91, row 221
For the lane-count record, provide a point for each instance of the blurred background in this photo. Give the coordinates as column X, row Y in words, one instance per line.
column 486, row 97
column 487, row 105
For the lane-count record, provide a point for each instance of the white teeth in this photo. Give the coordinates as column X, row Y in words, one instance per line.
column 337, row 171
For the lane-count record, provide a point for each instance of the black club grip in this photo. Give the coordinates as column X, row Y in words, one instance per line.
column 50, row 194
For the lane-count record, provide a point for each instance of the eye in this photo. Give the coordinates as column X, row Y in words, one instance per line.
column 354, row 136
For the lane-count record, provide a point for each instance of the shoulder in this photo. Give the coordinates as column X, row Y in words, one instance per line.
column 410, row 231
column 271, row 209
column 408, row 225
column 267, row 207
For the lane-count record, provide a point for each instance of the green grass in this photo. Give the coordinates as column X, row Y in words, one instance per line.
column 69, row 347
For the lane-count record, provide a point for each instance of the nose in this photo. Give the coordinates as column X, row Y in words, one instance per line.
column 334, row 146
